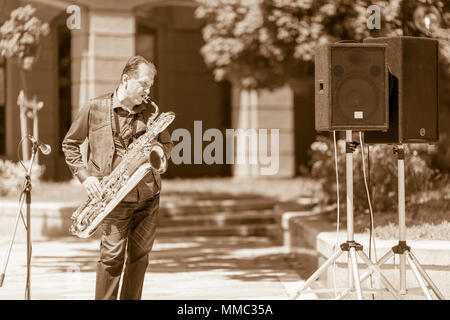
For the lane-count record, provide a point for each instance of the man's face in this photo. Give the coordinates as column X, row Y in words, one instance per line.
column 137, row 87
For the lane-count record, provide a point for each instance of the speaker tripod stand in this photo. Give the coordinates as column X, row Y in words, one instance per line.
column 402, row 248
column 351, row 247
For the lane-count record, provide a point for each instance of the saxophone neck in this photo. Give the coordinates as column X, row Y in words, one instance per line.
column 155, row 113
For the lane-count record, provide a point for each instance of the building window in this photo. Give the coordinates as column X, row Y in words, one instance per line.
column 2, row 106
column 64, row 82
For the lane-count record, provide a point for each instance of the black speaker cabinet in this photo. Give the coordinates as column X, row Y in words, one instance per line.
column 351, row 82
column 413, row 91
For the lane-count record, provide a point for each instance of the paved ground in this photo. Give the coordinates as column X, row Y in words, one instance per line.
column 189, row 268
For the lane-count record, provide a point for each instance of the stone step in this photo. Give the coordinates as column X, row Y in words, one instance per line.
column 53, row 219
column 200, row 207
column 220, row 218
column 261, row 230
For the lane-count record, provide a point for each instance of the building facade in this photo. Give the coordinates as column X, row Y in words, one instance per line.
column 85, row 61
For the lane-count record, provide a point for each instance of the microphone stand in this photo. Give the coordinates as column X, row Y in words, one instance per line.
column 24, row 196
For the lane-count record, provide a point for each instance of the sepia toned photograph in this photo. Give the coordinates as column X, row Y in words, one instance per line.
column 237, row 158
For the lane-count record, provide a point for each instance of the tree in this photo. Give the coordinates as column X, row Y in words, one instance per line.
column 19, row 41
column 265, row 43
column 270, row 43
column 234, row 40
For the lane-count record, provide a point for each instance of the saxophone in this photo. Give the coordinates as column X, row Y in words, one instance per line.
column 134, row 166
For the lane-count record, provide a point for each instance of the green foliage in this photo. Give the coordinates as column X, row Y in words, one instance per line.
column 12, row 175
column 383, row 183
column 19, row 36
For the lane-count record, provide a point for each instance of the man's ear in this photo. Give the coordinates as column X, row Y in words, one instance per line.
column 125, row 79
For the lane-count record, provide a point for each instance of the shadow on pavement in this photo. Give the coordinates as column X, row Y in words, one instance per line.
column 237, row 258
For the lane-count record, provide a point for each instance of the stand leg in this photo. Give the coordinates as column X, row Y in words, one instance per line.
column 355, row 273
column 317, row 274
column 11, row 241
column 343, row 294
column 418, row 277
column 417, row 269
column 425, row 275
column 25, row 195
column 27, row 289
column 385, row 258
column 375, row 268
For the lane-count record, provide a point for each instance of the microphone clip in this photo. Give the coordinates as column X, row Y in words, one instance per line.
column 350, row 147
column 45, row 148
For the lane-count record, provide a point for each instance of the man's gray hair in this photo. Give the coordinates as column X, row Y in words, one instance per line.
column 132, row 66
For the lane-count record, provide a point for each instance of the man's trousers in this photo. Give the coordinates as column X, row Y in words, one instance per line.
column 128, row 233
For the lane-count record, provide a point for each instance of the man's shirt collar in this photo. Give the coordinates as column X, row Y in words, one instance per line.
column 118, row 104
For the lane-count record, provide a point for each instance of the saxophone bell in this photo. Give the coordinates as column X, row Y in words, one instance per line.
column 157, row 157
column 158, row 160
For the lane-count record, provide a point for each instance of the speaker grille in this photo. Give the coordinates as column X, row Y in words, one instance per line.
column 358, row 86
column 356, row 99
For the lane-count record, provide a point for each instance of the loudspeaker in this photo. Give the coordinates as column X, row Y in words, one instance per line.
column 413, row 91
column 351, row 82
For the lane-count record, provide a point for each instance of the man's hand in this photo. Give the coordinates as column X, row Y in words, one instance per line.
column 92, row 186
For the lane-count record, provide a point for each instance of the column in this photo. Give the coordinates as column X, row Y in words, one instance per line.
column 264, row 113
column 100, row 50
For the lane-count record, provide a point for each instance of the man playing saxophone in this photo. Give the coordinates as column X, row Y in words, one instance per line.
column 110, row 123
